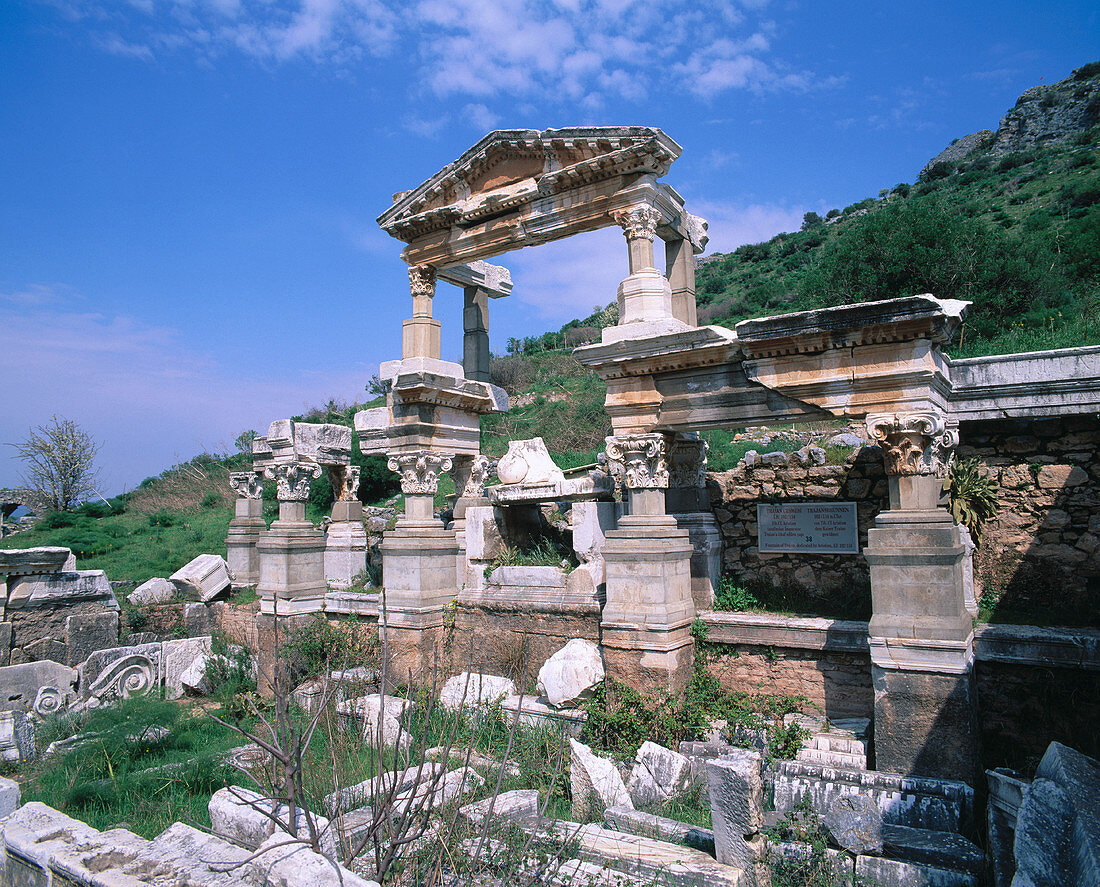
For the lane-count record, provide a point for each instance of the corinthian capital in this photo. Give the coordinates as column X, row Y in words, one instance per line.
column 914, row 443
column 293, row 479
column 422, row 280
column 638, row 222
column 247, row 484
column 688, row 462
column 420, row 471
column 641, row 460
column 471, row 474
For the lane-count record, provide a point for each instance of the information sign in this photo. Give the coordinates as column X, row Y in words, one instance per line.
column 808, row 528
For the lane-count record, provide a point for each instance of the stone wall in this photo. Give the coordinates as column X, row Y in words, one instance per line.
column 1040, row 557
column 776, row 478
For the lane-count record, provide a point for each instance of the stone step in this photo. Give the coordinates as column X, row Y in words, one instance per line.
column 834, row 742
column 896, row 873
column 648, row 825
column 833, row 758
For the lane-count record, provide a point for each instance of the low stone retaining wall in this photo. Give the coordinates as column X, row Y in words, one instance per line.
column 1034, row 685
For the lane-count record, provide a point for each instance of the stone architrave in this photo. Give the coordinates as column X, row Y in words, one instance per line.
column 419, row 564
column 203, row 578
column 921, row 633
column 242, row 556
column 646, row 622
column 292, row 550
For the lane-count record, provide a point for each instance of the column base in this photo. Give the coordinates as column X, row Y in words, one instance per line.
column 241, row 554
column 926, row 724
column 646, row 624
column 292, row 569
column 345, row 553
column 706, row 555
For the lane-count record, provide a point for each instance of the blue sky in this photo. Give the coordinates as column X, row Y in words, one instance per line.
column 188, row 245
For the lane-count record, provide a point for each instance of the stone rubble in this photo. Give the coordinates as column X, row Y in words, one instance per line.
column 203, row 578
column 595, row 781
column 657, row 775
column 152, row 591
column 571, row 674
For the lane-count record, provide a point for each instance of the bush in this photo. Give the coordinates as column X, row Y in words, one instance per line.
column 162, row 518
column 210, row 500
column 939, row 170
column 322, row 646
column 811, row 220
column 58, row 520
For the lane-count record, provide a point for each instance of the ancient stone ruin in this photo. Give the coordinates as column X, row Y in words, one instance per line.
column 913, row 690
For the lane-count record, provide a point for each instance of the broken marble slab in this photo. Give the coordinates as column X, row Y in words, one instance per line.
column 33, row 561
column 52, row 589
column 571, row 674
column 41, row 687
column 177, row 657
column 595, row 782
column 152, row 591
column 120, row 672
column 324, row 444
column 203, row 578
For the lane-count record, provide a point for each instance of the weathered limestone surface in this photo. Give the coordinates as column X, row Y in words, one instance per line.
column 309, row 442
column 596, row 782
column 648, row 825
column 855, row 823
column 895, row 873
column 42, row 687
column 571, row 674
column 120, row 672
column 9, row 799
column 242, row 557
column 528, row 462
column 379, row 717
column 469, row 690
column 345, row 544
column 34, row 561
column 152, row 591
column 657, row 775
column 736, row 788
column 203, row 578
column 179, row 656
column 16, row 737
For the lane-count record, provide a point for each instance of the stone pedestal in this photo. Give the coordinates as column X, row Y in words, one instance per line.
column 292, row 564
column 345, row 544
column 646, row 622
column 706, row 555
column 242, row 555
column 921, row 637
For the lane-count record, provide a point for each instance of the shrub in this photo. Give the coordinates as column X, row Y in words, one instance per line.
column 939, row 170
column 973, row 494
column 58, row 520
column 210, row 500
column 811, row 220
column 162, row 518
column 322, row 646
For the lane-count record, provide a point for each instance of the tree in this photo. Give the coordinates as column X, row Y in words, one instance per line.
column 243, row 443
column 811, row 220
column 58, row 458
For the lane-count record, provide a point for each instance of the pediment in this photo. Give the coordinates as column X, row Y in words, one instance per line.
column 509, row 168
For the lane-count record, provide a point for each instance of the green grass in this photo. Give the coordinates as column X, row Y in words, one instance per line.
column 132, row 547
column 145, row 784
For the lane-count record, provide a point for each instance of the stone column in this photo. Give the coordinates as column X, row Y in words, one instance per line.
column 420, row 335
column 346, row 539
column 419, row 568
column 680, row 271
column 689, row 503
column 292, row 551
column 921, row 635
column 470, row 474
column 646, row 622
column 242, row 556
column 475, row 336
column 645, row 295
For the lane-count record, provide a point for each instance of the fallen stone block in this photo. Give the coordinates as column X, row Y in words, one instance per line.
column 297, row 865
column 120, row 672
column 32, row 835
column 101, row 860
column 179, row 656
column 1078, row 776
column 648, row 825
column 32, row 561
column 1043, row 837
column 537, row 713
column 203, row 859
column 387, row 785
column 152, row 591
column 9, row 797
column 657, row 775
column 940, row 849
column 647, row 858
column 736, row 788
column 379, row 718
column 471, row 690
column 248, row 819
column 894, row 873
column 571, row 674
column 42, row 687
column 54, row 589
column 431, row 794
column 203, row 578
column 85, row 633
column 520, row 806
column 595, row 781
column 467, row 756
column 855, row 823
column 919, row 802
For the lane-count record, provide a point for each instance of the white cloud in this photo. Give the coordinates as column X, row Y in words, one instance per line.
column 480, row 117
column 732, row 224
column 565, row 50
column 147, row 395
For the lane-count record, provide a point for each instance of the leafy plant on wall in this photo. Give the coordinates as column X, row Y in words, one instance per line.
column 973, row 494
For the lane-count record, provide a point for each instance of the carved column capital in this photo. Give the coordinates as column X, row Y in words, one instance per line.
column 640, row 460
column 420, row 471
column 344, row 480
column 422, row 280
column 471, row 474
column 292, row 479
column 687, row 462
column 247, row 484
column 638, row 222
column 914, row 443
